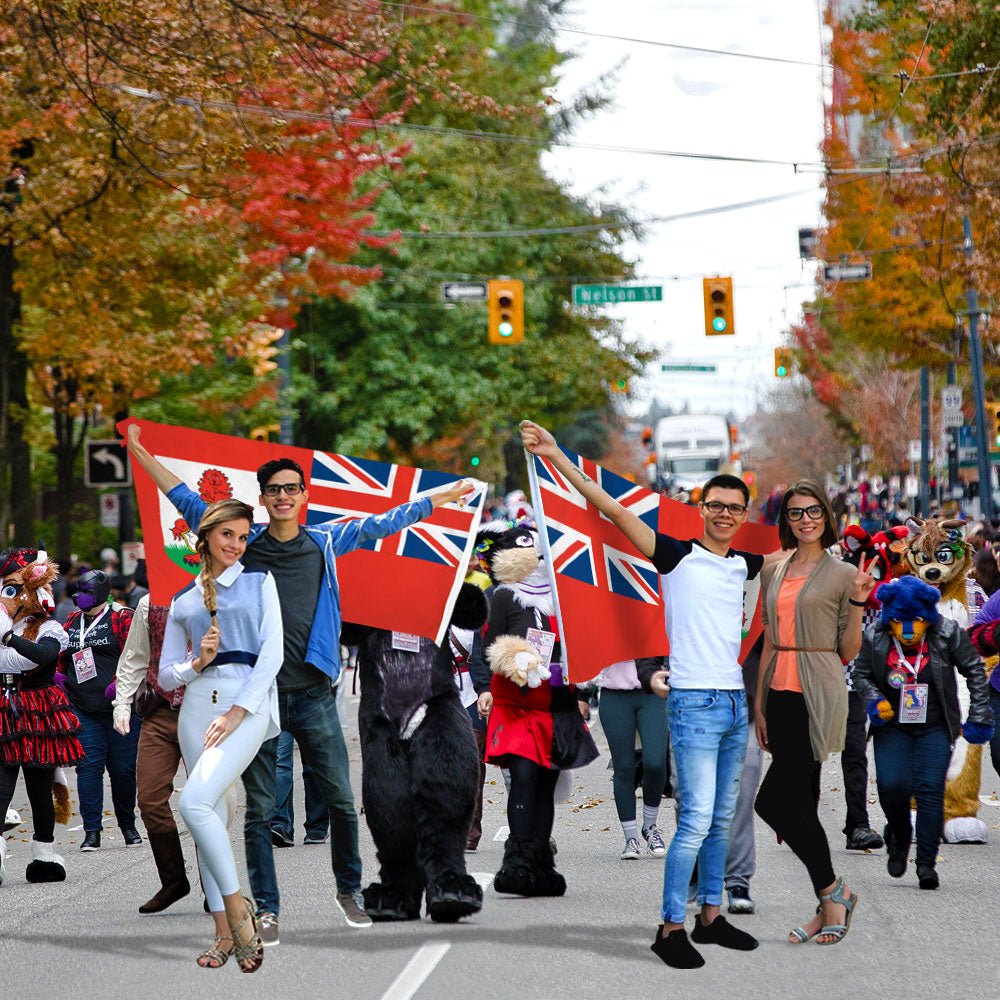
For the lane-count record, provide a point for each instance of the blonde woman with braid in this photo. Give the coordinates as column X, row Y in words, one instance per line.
column 223, row 642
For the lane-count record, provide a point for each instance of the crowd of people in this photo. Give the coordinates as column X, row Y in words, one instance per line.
column 247, row 661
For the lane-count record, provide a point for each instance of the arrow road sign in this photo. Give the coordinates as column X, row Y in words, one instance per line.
column 848, row 272
column 464, row 291
column 106, row 464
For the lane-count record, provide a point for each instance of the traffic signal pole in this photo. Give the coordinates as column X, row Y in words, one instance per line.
column 978, row 382
column 925, row 441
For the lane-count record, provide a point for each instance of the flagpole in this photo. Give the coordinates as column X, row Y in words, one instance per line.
column 536, row 503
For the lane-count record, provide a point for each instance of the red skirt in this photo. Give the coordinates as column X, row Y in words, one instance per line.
column 38, row 728
column 520, row 723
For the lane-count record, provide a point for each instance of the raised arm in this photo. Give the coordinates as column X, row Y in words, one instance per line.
column 165, row 480
column 539, row 441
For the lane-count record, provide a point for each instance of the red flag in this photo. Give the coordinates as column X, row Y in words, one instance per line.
column 407, row 582
column 607, row 593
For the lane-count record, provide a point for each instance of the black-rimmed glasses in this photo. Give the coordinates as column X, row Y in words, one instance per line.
column 717, row 507
column 814, row 512
column 292, row 489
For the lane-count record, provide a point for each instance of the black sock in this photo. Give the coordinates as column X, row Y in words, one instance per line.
column 723, row 933
column 676, row 950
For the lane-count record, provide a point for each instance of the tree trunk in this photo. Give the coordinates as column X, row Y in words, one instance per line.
column 70, row 432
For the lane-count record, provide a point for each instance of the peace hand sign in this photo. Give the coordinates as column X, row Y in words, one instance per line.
column 864, row 582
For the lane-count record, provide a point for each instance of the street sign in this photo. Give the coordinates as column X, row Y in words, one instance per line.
column 106, row 464
column 951, row 397
column 867, row 453
column 848, row 272
column 132, row 552
column 111, row 511
column 914, row 453
column 688, row 368
column 968, row 451
column 952, row 418
column 463, row 291
column 912, row 487
column 599, row 295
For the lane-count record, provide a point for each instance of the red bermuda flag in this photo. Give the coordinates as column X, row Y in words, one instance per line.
column 608, row 595
column 407, row 582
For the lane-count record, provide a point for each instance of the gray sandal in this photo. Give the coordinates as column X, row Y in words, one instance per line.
column 838, row 931
column 801, row 935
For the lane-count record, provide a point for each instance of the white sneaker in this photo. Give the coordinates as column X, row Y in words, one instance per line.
column 632, row 850
column 654, row 841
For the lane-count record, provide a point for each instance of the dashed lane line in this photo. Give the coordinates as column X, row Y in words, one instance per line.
column 416, row 971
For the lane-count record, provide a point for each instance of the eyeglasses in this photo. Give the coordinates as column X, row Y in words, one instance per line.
column 292, row 489
column 717, row 507
column 814, row 512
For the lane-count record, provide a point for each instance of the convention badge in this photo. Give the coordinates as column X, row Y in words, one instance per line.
column 84, row 665
column 544, row 643
column 405, row 642
column 913, row 702
column 897, row 678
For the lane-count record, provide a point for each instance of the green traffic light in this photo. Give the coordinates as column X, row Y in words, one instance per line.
column 781, row 371
column 474, row 461
column 505, row 329
column 719, row 324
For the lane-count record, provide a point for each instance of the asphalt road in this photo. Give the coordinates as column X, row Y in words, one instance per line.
column 85, row 937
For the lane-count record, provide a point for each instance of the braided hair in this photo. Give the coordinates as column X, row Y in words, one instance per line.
column 216, row 514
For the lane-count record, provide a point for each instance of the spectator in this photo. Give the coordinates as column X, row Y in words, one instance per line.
column 126, row 591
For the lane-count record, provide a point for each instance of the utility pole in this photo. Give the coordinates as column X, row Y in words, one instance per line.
column 978, row 381
column 953, row 482
column 925, row 440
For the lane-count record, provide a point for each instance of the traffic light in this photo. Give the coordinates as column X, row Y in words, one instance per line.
column 263, row 344
column 474, row 461
column 620, row 385
column 506, row 309
column 718, row 293
column 782, row 362
column 264, row 433
column 992, row 424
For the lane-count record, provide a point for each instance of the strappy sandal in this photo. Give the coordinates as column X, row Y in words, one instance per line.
column 801, row 935
column 252, row 951
column 838, row 931
column 214, row 957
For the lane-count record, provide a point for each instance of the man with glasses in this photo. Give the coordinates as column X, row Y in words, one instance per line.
column 702, row 582
column 302, row 560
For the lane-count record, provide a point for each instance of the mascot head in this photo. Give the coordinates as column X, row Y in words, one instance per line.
column 909, row 608
column 508, row 552
column 938, row 554
column 92, row 590
column 26, row 593
column 882, row 553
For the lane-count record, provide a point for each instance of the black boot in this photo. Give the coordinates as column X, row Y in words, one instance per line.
column 517, row 875
column 548, row 882
column 452, row 896
column 897, row 853
column 169, row 858
column 388, row 902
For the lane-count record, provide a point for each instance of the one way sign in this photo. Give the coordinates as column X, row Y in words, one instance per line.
column 106, row 464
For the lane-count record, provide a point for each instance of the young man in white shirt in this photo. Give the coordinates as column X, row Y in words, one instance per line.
column 702, row 582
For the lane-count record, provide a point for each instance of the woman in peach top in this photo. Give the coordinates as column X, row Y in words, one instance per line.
column 812, row 605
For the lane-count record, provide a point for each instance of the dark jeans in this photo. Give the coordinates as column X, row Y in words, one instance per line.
column 106, row 750
column 995, row 742
column 311, row 717
column 913, row 765
column 854, row 763
column 788, row 800
column 317, row 815
column 623, row 714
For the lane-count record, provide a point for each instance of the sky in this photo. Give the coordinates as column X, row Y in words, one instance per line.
column 723, row 105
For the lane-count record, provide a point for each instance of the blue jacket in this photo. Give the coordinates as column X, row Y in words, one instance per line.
column 334, row 539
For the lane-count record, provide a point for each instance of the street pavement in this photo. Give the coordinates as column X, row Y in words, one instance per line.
column 85, row 938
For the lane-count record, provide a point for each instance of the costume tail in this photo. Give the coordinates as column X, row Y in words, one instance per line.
column 60, row 796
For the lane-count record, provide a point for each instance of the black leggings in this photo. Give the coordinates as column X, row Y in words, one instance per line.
column 38, row 782
column 531, row 809
column 788, row 800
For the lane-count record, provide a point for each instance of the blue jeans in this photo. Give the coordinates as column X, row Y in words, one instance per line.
column 912, row 764
column 708, row 734
column 317, row 815
column 106, row 750
column 311, row 718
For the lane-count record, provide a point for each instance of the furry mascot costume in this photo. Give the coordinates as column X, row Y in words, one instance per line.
column 937, row 553
column 535, row 728
column 420, row 770
column 37, row 727
column 906, row 671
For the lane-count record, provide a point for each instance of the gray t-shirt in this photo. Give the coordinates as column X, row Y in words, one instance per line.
column 297, row 568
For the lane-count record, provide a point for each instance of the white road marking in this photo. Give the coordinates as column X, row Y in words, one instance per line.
column 989, row 800
column 73, row 829
column 416, row 971
column 502, row 834
column 484, row 879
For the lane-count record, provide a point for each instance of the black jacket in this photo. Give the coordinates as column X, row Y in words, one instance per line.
column 950, row 649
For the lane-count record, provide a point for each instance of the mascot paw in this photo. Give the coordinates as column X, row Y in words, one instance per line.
column 514, row 658
column 966, row 830
column 879, row 711
column 386, row 902
column 45, row 864
column 453, row 896
column 977, row 732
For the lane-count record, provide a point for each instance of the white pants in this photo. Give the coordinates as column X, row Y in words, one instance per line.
column 203, row 801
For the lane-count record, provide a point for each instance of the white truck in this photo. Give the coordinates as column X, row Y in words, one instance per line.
column 691, row 448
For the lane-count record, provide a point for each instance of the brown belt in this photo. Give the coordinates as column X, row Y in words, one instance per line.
column 802, row 649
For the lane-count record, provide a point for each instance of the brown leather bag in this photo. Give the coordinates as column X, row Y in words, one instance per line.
column 146, row 700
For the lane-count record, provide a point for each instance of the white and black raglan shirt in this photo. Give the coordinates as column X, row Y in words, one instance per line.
column 703, row 600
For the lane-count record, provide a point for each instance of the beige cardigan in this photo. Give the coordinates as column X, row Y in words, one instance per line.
column 821, row 613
